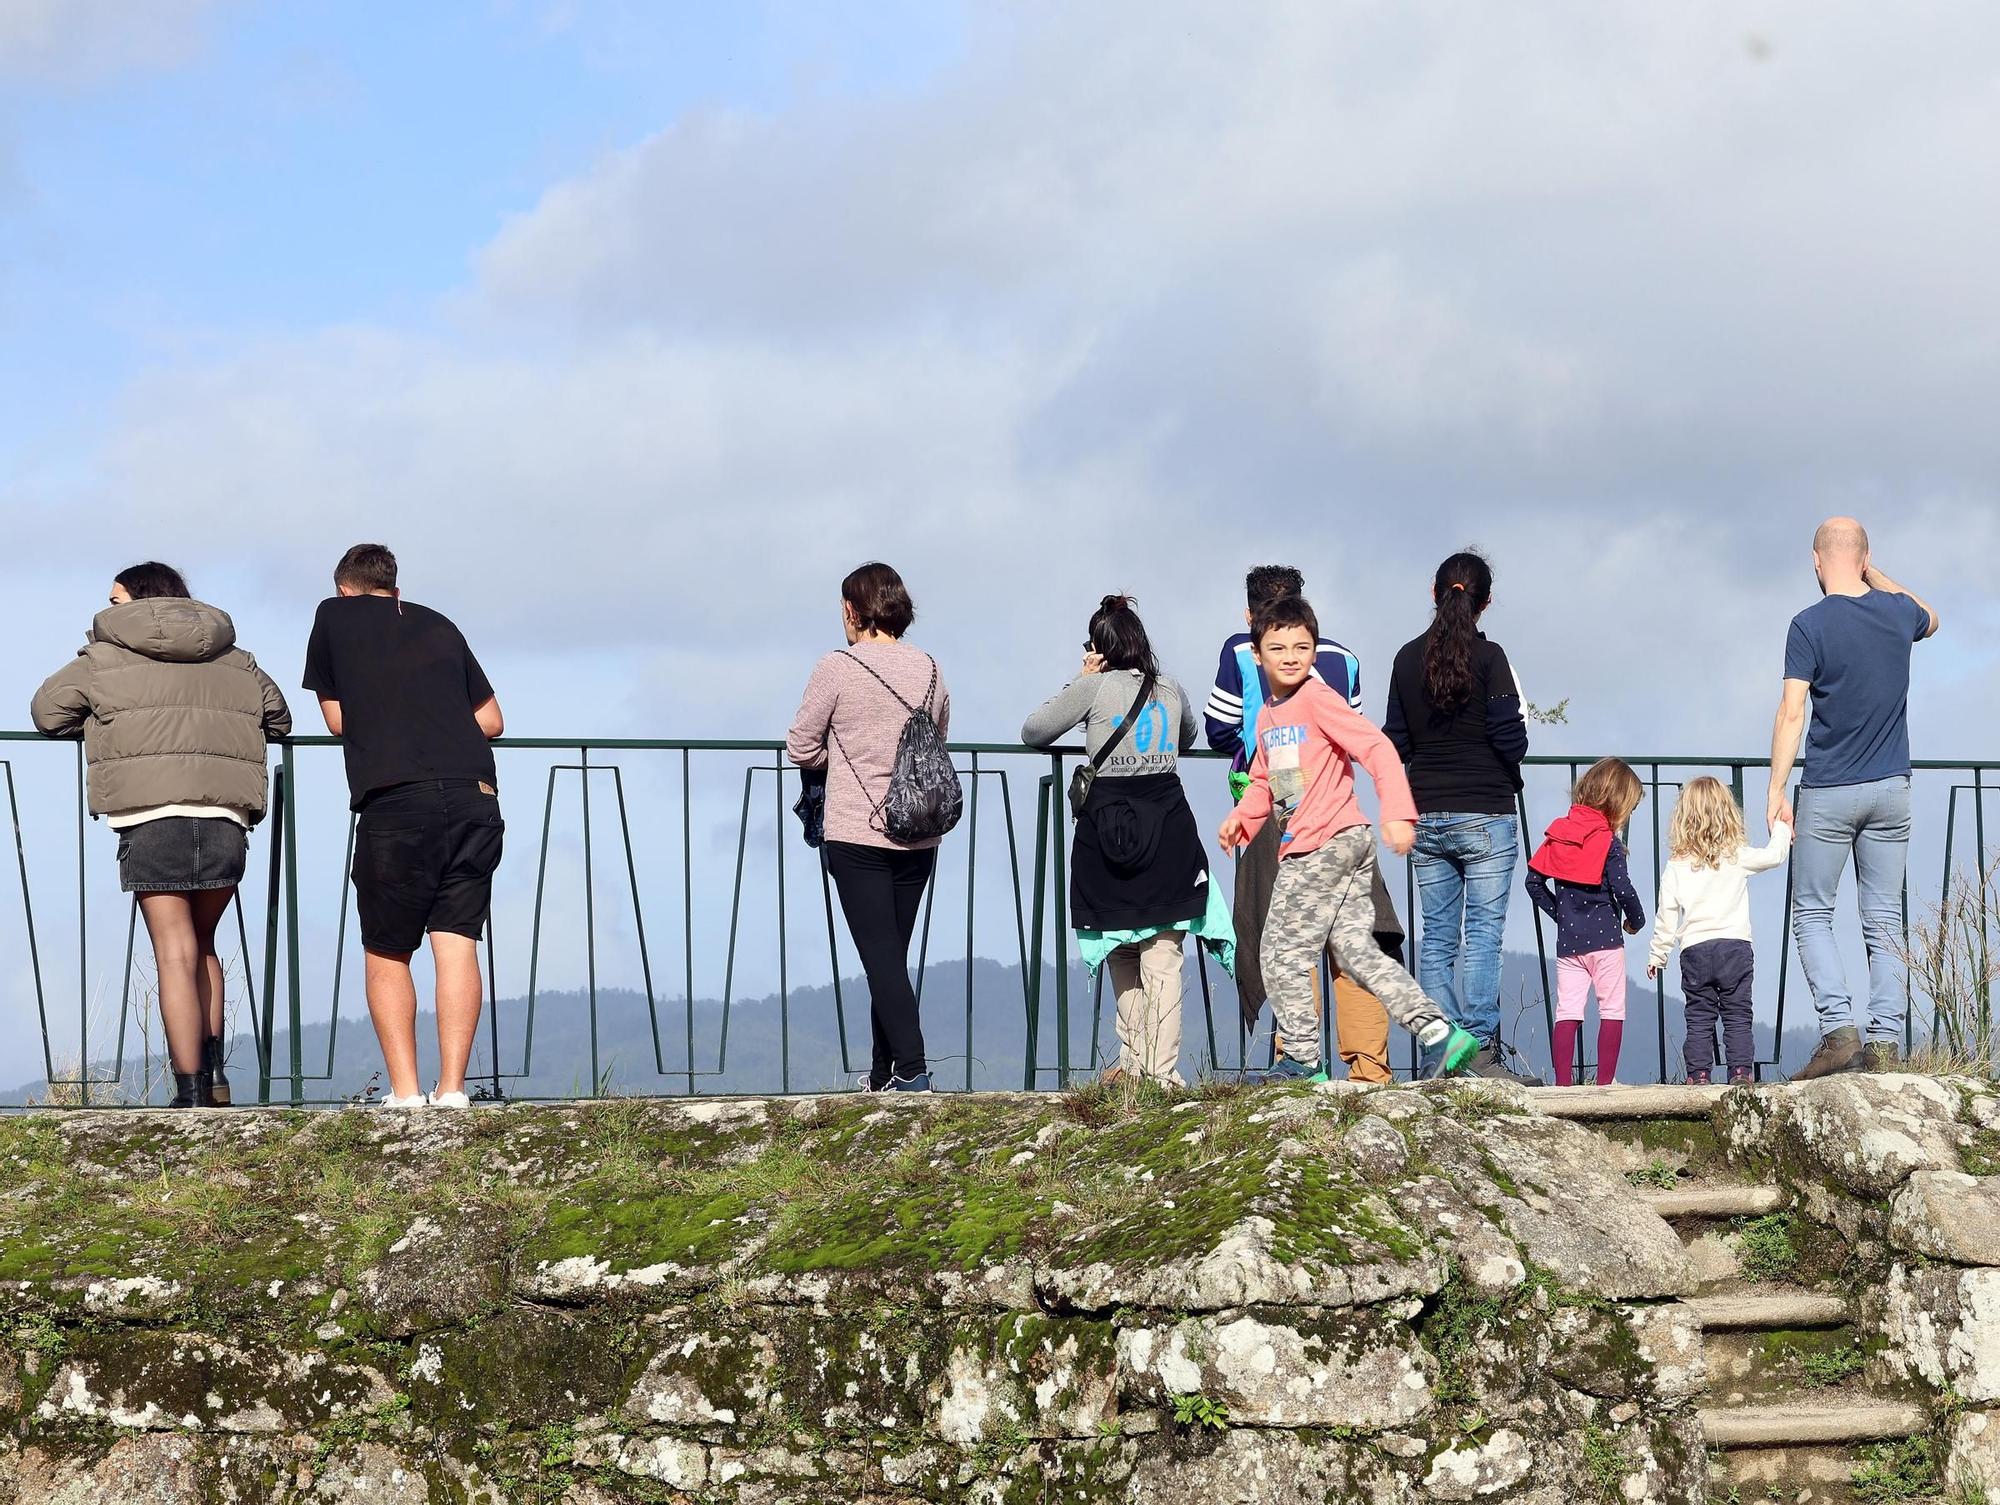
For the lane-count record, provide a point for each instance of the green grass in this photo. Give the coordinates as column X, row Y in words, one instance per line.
column 1658, row 1174
column 1765, row 1247
column 1604, row 1463
column 1897, row 1471
column 1822, row 1369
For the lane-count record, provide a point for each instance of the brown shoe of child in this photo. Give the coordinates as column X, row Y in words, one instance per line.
column 1881, row 1055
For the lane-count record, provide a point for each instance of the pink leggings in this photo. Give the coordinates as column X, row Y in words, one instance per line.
column 1576, row 976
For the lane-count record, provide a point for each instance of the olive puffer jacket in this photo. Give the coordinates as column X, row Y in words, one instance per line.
column 171, row 711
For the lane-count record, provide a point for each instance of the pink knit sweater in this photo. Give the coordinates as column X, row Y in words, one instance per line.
column 844, row 709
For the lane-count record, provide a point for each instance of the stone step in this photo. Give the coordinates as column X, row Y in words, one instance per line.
column 1823, row 1475
column 1714, row 1200
column 1767, row 1367
column 1812, row 1424
column 1780, row 1310
column 1676, row 1100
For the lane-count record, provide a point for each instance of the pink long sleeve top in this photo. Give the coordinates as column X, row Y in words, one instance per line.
column 1303, row 770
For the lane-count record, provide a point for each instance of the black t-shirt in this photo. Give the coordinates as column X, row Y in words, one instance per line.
column 407, row 686
column 1466, row 761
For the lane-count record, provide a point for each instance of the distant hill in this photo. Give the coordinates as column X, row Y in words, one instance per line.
column 756, row 1062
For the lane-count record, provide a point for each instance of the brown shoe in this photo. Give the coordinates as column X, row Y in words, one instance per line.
column 1881, row 1055
column 1839, row 1051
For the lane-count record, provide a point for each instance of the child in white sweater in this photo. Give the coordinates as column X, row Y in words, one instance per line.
column 1705, row 909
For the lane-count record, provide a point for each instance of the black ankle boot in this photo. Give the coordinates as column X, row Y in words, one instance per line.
column 192, row 1089
column 212, row 1062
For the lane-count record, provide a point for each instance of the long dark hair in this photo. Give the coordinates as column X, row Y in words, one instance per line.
column 1120, row 637
column 1463, row 587
column 152, row 578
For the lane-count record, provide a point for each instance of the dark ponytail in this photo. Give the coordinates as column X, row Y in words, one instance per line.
column 1463, row 587
column 1120, row 637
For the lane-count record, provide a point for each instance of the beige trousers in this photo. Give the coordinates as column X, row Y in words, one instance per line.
column 1147, row 977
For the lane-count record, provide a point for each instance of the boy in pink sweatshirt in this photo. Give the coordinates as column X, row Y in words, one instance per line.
column 1302, row 774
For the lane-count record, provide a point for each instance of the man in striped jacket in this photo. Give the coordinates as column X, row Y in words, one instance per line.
column 1361, row 1024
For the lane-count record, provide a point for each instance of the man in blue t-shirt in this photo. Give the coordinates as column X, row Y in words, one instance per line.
column 1850, row 654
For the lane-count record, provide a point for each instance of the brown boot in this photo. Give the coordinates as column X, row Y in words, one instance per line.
column 1838, row 1051
column 1881, row 1055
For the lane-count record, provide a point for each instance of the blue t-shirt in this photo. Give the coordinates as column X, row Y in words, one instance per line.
column 1855, row 653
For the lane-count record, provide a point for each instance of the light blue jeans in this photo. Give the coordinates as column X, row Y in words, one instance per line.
column 1465, row 875
column 1871, row 824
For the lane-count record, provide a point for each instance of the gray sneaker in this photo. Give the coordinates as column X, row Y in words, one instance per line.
column 1839, row 1051
column 1487, row 1063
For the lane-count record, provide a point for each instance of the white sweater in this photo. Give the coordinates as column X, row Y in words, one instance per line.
column 1711, row 904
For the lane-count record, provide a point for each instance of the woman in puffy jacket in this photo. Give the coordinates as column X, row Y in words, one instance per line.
column 174, row 719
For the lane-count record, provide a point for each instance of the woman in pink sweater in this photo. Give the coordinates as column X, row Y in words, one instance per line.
column 849, row 723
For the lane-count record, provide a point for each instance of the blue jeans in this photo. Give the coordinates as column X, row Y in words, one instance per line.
column 1465, row 875
column 1871, row 824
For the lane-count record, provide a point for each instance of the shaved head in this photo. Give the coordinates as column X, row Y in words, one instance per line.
column 1841, row 538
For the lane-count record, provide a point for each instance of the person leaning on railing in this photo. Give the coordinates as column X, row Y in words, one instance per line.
column 174, row 719
column 398, row 684
column 850, row 722
column 1139, row 876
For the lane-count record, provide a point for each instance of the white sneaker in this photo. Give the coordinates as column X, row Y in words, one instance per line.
column 414, row 1100
column 449, row 1100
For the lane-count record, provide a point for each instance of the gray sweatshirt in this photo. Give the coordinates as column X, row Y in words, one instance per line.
column 1100, row 702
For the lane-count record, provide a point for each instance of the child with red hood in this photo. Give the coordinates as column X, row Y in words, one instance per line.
column 1579, row 877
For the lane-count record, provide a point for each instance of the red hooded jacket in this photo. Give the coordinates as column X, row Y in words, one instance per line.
column 1575, row 847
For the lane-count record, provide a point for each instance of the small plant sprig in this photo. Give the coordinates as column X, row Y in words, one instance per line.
column 1201, row 1411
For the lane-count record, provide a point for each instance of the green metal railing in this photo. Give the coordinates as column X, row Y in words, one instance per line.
column 1025, row 910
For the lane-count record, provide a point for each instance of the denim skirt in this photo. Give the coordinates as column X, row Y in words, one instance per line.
column 181, row 854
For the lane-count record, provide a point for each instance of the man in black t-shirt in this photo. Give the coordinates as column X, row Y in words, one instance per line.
column 415, row 715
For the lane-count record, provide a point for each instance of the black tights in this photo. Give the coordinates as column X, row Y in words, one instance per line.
column 881, row 889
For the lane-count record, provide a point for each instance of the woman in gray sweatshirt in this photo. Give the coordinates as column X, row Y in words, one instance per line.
column 1139, row 873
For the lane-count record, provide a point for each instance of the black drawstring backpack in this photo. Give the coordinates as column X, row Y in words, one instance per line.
column 925, row 798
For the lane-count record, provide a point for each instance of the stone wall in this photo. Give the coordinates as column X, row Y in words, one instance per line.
column 1310, row 1296
column 1263, row 1295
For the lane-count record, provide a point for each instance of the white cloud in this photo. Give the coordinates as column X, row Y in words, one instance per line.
column 1141, row 294
column 73, row 41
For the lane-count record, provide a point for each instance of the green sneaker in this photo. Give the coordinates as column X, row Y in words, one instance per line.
column 1459, row 1048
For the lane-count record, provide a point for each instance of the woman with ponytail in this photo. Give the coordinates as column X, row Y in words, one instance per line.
column 1455, row 716
column 1139, row 875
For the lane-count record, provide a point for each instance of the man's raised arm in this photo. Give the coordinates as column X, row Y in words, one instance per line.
column 1876, row 580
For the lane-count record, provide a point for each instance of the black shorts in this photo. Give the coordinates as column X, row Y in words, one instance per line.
column 424, row 857
column 181, row 854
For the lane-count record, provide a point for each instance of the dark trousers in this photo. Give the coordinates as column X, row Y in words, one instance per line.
column 1716, row 979
column 881, row 889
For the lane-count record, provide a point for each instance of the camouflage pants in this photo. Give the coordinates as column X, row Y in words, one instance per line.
column 1324, row 900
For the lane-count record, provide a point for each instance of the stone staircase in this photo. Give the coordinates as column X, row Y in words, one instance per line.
column 1790, row 1404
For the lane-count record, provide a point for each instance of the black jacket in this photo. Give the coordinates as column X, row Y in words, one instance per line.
column 1463, row 762
column 1137, row 861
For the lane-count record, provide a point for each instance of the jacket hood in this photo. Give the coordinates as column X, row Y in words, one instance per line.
column 171, row 629
column 1576, row 846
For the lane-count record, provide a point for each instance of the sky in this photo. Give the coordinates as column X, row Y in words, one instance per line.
column 633, row 326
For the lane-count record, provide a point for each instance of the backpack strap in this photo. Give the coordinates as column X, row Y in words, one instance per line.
column 876, row 820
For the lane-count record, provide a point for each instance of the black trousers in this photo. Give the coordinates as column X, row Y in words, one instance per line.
column 881, row 889
column 1716, row 978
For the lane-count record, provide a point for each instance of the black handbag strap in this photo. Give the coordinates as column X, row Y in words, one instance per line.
column 1118, row 732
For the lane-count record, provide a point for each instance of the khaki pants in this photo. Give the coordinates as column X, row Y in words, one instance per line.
column 1147, row 977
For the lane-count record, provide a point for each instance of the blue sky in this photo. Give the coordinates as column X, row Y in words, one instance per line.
column 632, row 326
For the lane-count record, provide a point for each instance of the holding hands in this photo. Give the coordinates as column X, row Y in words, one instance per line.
column 1399, row 836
